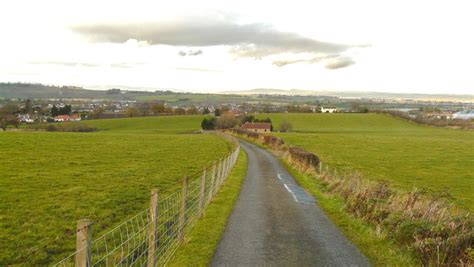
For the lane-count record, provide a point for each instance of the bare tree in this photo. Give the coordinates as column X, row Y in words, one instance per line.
column 157, row 108
column 226, row 121
column 132, row 112
column 285, row 126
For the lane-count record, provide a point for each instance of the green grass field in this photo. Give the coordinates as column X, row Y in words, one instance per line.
column 156, row 125
column 49, row 180
column 382, row 147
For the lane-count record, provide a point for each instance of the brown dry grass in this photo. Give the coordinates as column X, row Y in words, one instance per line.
column 435, row 230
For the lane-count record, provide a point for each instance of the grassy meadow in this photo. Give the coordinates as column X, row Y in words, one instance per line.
column 385, row 148
column 155, row 125
column 49, row 180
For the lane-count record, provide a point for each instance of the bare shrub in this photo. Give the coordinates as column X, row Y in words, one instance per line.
column 285, row 126
column 438, row 232
column 70, row 127
column 226, row 121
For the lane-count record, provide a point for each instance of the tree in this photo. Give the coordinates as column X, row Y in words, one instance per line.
column 9, row 109
column 28, row 106
column 247, row 118
column 208, row 124
column 359, row 108
column 192, row 111
column 285, row 126
column 54, row 111
column 217, row 112
column 113, row 91
column 267, row 120
column 157, row 109
column 97, row 112
column 7, row 116
column 66, row 110
column 226, row 121
column 180, row 111
column 132, row 112
column 206, row 111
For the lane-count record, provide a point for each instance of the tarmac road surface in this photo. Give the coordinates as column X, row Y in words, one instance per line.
column 276, row 223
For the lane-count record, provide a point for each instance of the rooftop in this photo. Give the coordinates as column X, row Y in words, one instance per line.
column 257, row 125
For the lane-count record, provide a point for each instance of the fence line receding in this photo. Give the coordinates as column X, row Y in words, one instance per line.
column 151, row 237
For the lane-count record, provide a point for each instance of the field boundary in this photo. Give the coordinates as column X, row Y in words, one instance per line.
column 152, row 236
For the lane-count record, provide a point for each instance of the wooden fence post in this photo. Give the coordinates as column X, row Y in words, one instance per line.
column 226, row 161
column 213, row 183
column 182, row 210
column 320, row 167
column 152, row 228
column 218, row 177
column 83, row 239
column 221, row 178
column 201, row 193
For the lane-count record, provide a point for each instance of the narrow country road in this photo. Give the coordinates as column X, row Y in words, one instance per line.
column 276, row 223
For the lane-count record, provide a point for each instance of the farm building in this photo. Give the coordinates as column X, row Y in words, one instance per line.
column 75, row 117
column 328, row 110
column 25, row 118
column 465, row 115
column 259, row 127
column 63, row 118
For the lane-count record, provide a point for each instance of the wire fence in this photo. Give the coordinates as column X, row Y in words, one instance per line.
column 151, row 237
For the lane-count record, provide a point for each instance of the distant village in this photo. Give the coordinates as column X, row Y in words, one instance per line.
column 29, row 111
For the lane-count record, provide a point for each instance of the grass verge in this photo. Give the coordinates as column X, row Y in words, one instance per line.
column 373, row 244
column 203, row 239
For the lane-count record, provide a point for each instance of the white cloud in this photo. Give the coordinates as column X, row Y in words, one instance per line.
column 416, row 46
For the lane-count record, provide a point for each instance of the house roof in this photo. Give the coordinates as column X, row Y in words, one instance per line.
column 62, row 117
column 259, row 125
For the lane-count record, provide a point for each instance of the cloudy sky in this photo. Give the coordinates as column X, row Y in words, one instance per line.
column 392, row 46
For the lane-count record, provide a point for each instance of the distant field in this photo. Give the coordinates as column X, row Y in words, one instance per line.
column 49, row 180
column 381, row 147
column 160, row 124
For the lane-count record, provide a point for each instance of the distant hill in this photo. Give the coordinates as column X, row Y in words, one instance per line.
column 35, row 91
column 41, row 91
column 345, row 94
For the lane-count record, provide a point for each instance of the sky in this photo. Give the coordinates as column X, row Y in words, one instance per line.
column 213, row 46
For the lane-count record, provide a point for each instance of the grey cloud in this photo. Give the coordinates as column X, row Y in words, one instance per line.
column 190, row 53
column 247, row 40
column 282, row 63
column 338, row 63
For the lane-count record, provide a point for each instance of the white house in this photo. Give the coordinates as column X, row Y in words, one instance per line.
column 328, row 110
column 25, row 118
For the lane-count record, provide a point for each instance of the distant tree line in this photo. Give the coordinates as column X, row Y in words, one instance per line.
column 228, row 120
column 66, row 110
